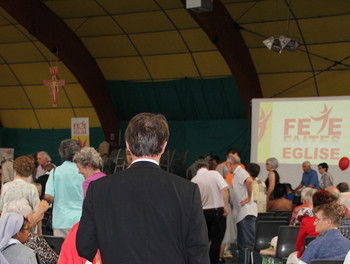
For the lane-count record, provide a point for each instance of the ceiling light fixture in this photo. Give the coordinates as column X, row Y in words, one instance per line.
column 199, row 6
column 278, row 44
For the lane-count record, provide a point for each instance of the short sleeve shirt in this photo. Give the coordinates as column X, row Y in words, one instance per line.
column 310, row 178
column 240, row 193
column 65, row 185
column 210, row 184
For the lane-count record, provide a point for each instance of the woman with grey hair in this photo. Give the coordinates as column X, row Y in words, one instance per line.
column 64, row 190
column 89, row 163
column 273, row 177
column 46, row 254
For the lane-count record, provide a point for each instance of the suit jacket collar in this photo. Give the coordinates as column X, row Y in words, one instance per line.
column 143, row 164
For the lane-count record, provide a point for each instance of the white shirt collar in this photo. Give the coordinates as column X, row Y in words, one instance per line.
column 202, row 169
column 237, row 169
column 145, row 159
column 13, row 241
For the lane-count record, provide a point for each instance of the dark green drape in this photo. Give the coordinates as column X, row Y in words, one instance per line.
column 186, row 99
column 204, row 115
column 30, row 141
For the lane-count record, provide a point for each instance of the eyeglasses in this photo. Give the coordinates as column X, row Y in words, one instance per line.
column 319, row 219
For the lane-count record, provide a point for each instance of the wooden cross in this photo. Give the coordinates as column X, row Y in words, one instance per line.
column 54, row 85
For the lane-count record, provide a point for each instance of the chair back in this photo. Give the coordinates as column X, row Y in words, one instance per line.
column 179, row 159
column 264, row 215
column 307, row 240
column 345, row 231
column 327, row 261
column 109, row 163
column 166, row 159
column 283, row 213
column 120, row 160
column 287, row 237
column 274, row 218
column 264, row 232
column 55, row 243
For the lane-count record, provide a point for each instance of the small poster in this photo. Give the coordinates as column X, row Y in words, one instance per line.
column 8, row 153
column 80, row 130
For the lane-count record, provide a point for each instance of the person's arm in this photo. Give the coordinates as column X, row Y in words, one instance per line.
column 272, row 183
column 86, row 241
column 299, row 245
column 314, row 180
column 39, row 213
column 49, row 188
column 225, row 196
column 299, row 186
column 49, row 198
column 197, row 237
column 327, row 180
column 249, row 186
column 188, row 173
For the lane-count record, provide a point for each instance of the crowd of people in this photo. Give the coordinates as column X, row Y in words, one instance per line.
column 146, row 215
column 31, row 191
column 249, row 195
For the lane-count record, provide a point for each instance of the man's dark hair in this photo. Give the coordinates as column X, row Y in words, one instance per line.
column 323, row 165
column 232, row 151
column 216, row 158
column 343, row 187
column 146, row 134
column 253, row 169
column 201, row 163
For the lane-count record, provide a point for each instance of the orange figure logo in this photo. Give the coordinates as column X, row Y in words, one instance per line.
column 262, row 123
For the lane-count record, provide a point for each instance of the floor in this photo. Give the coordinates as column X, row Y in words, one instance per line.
column 234, row 259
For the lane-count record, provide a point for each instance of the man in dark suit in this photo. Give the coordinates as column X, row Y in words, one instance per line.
column 144, row 214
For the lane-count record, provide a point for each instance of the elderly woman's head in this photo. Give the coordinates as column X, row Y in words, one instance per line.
column 24, row 166
column 88, row 161
column 22, row 207
column 68, row 148
column 271, row 164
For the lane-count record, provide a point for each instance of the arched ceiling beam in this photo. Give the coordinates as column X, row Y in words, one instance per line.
column 50, row 30
column 224, row 33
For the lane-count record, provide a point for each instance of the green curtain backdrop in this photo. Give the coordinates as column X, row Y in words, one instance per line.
column 201, row 138
column 186, row 99
column 204, row 115
column 31, row 141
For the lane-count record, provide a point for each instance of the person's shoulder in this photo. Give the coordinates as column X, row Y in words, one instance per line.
column 66, row 165
column 215, row 173
column 242, row 172
column 220, row 165
column 24, row 249
column 313, row 171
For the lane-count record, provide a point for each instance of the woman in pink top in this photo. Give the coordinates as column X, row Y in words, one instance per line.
column 89, row 163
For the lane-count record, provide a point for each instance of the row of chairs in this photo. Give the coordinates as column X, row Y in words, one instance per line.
column 116, row 161
column 170, row 159
column 271, row 224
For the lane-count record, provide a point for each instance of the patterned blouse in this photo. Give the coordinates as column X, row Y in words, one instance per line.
column 46, row 254
column 17, row 189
